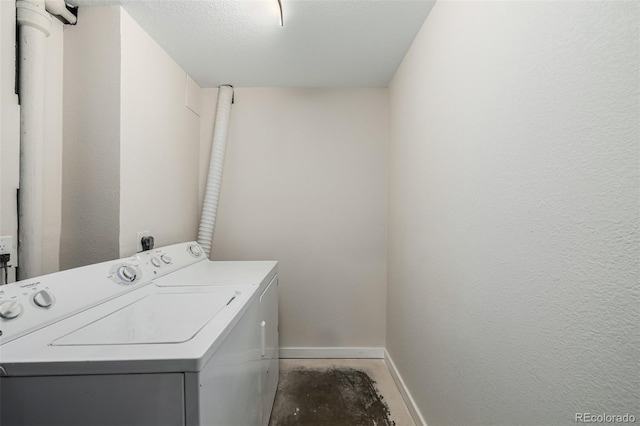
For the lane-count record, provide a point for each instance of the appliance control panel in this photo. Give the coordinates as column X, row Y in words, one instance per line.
column 29, row 305
column 158, row 262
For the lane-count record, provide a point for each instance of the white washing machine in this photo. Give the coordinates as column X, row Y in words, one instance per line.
column 166, row 337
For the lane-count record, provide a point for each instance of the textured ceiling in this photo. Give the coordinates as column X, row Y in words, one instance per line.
column 324, row 43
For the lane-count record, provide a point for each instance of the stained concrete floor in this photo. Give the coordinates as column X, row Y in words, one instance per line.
column 338, row 392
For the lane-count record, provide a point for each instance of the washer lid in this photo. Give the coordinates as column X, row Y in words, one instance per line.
column 157, row 318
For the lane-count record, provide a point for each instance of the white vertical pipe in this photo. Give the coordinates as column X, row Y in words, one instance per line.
column 216, row 164
column 34, row 27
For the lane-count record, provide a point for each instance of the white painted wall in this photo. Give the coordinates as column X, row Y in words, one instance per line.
column 131, row 142
column 160, row 143
column 9, row 127
column 305, row 184
column 10, row 138
column 91, row 161
column 514, row 212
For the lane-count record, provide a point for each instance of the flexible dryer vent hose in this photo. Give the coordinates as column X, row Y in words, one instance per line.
column 216, row 164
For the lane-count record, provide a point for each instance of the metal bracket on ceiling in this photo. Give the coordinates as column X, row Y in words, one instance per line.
column 233, row 93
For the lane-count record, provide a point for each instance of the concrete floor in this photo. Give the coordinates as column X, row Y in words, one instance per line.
column 338, row 392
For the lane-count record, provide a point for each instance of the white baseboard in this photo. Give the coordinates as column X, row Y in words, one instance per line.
column 329, row 352
column 406, row 395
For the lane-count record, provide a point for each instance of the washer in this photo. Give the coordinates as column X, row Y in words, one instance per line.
column 163, row 337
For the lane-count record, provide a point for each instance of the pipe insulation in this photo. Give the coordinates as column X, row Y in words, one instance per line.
column 216, row 164
column 34, row 27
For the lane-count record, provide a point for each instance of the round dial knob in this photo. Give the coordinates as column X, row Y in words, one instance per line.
column 10, row 309
column 43, row 299
column 195, row 250
column 127, row 273
column 166, row 259
column 155, row 261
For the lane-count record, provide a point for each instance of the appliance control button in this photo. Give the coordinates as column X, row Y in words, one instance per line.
column 155, row 261
column 43, row 299
column 195, row 250
column 10, row 309
column 127, row 273
column 166, row 259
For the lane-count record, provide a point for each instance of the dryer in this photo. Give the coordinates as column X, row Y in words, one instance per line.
column 225, row 274
column 141, row 340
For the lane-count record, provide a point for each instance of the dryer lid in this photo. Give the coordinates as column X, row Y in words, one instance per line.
column 155, row 319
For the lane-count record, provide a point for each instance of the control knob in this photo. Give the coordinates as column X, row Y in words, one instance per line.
column 166, row 259
column 155, row 261
column 10, row 309
column 195, row 250
column 43, row 299
column 126, row 273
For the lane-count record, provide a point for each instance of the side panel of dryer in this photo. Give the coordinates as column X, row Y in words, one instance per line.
column 100, row 400
column 269, row 348
column 227, row 390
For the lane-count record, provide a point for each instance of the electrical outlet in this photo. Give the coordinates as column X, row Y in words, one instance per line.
column 139, row 238
column 6, row 245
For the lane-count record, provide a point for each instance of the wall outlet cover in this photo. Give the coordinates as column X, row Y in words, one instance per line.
column 6, row 245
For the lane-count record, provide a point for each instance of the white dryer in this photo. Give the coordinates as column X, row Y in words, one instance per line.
column 150, row 339
column 220, row 275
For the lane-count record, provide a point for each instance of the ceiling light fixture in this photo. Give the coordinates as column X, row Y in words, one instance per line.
column 281, row 18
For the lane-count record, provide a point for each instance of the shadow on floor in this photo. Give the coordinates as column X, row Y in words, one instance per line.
column 328, row 397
